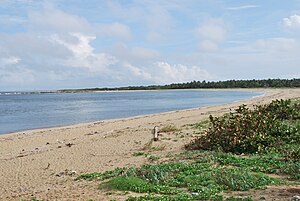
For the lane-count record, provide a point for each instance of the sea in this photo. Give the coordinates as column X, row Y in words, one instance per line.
column 28, row 111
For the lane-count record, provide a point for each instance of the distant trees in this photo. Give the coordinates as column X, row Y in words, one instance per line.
column 266, row 83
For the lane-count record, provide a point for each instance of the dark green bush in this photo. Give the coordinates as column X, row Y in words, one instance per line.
column 251, row 131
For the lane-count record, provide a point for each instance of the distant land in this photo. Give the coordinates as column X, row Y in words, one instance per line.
column 264, row 83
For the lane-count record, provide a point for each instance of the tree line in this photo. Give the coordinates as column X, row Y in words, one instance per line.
column 265, row 83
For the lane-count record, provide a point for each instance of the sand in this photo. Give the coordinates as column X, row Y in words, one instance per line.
column 43, row 163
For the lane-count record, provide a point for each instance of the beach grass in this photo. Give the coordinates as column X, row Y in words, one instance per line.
column 208, row 170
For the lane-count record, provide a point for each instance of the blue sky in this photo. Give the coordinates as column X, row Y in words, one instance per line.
column 76, row 44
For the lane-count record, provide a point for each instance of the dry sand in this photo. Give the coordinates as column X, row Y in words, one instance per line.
column 44, row 163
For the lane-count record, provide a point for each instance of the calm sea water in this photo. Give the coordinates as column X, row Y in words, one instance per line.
column 28, row 111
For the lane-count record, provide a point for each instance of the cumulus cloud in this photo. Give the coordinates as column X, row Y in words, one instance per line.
column 292, row 22
column 138, row 72
column 211, row 33
column 163, row 72
column 84, row 55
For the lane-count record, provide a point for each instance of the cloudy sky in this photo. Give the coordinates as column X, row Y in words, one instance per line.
column 59, row 44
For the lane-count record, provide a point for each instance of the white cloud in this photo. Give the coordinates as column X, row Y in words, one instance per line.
column 153, row 15
column 18, row 75
column 134, row 54
column 292, row 22
column 138, row 72
column 159, row 22
column 179, row 73
column 84, row 55
column 51, row 19
column 243, row 7
column 281, row 45
column 208, row 46
column 211, row 33
column 163, row 72
column 11, row 60
column 212, row 29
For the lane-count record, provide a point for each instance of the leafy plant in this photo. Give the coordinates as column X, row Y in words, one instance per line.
column 252, row 131
column 138, row 154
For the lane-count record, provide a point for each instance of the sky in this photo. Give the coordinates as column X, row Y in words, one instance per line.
column 64, row 44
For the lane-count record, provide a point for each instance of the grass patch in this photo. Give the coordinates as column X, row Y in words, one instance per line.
column 168, row 129
column 202, row 125
column 236, row 154
column 187, row 181
column 139, row 154
column 135, row 184
column 153, row 158
column 102, row 176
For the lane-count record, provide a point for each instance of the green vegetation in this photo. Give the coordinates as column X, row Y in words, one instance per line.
column 139, row 154
column 102, row 176
column 266, row 83
column 186, row 181
column 265, row 128
column 168, row 128
column 216, row 163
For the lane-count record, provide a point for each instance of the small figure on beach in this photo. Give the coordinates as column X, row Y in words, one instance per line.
column 155, row 133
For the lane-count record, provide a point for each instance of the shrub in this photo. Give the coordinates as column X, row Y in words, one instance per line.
column 251, row 131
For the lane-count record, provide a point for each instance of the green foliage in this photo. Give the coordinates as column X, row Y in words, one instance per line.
column 135, row 184
column 168, row 128
column 201, row 125
column 153, row 158
column 139, row 154
column 204, row 180
column 268, row 133
column 251, row 131
column 179, row 197
column 277, row 83
column 238, row 199
column 102, row 176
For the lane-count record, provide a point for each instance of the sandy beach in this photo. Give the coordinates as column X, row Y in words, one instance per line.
column 43, row 163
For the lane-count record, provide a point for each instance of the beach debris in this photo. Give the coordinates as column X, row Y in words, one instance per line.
column 69, row 144
column 60, row 142
column 48, row 165
column 194, row 193
column 47, row 143
column 66, row 172
column 296, row 198
column 155, row 133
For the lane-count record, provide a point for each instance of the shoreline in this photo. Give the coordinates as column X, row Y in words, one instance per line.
column 262, row 90
column 37, row 163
